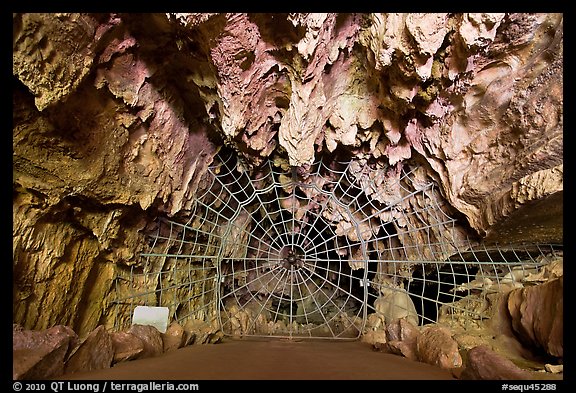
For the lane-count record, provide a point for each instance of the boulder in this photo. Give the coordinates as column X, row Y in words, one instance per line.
column 41, row 354
column 483, row 363
column 201, row 332
column 376, row 338
column 396, row 303
column 435, row 345
column 402, row 330
column 537, row 317
column 174, row 337
column 151, row 339
column 127, row 346
column 403, row 348
column 96, row 352
column 401, row 335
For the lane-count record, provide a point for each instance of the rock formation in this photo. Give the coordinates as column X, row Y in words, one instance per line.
column 51, row 353
column 116, row 118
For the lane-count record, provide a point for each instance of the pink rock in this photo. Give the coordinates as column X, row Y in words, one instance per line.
column 94, row 353
column 537, row 316
column 125, row 76
column 127, row 346
column 174, row 337
column 402, row 337
column 403, row 348
column 41, row 354
column 436, row 346
column 400, row 329
column 484, row 363
column 151, row 338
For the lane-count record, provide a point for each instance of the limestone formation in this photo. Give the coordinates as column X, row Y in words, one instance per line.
column 117, row 118
column 394, row 304
column 199, row 332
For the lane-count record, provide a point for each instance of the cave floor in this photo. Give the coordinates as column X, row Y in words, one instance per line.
column 277, row 359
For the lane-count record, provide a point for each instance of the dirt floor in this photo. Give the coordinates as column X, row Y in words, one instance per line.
column 271, row 360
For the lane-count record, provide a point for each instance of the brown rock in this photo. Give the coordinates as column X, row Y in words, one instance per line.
column 94, row 353
column 436, row 346
column 189, row 337
column 537, row 316
column 127, row 346
column 401, row 329
column 200, row 332
column 151, row 339
column 215, row 337
column 376, row 338
column 70, row 59
column 174, row 337
column 484, row 363
column 402, row 335
column 403, row 348
column 41, row 354
column 554, row 368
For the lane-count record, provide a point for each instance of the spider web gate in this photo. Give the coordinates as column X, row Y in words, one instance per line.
column 320, row 255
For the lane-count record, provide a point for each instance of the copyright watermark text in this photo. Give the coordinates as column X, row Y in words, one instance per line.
column 104, row 386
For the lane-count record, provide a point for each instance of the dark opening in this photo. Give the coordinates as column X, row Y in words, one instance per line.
column 432, row 286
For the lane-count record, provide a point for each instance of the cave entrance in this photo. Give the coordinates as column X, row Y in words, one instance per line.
column 327, row 252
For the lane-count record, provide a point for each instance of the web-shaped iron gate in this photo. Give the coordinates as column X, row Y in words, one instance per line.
column 279, row 253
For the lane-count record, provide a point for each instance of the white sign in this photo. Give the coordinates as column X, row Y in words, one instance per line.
column 154, row 316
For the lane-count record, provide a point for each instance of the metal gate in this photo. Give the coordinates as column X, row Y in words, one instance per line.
column 319, row 253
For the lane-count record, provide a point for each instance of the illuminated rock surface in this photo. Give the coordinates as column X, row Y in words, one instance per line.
column 116, row 118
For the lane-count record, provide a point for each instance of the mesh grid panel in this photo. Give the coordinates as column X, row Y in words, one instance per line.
column 317, row 253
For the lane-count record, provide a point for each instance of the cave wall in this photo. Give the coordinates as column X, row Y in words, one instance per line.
column 116, row 117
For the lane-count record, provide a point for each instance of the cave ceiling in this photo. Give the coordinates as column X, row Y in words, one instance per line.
column 133, row 101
